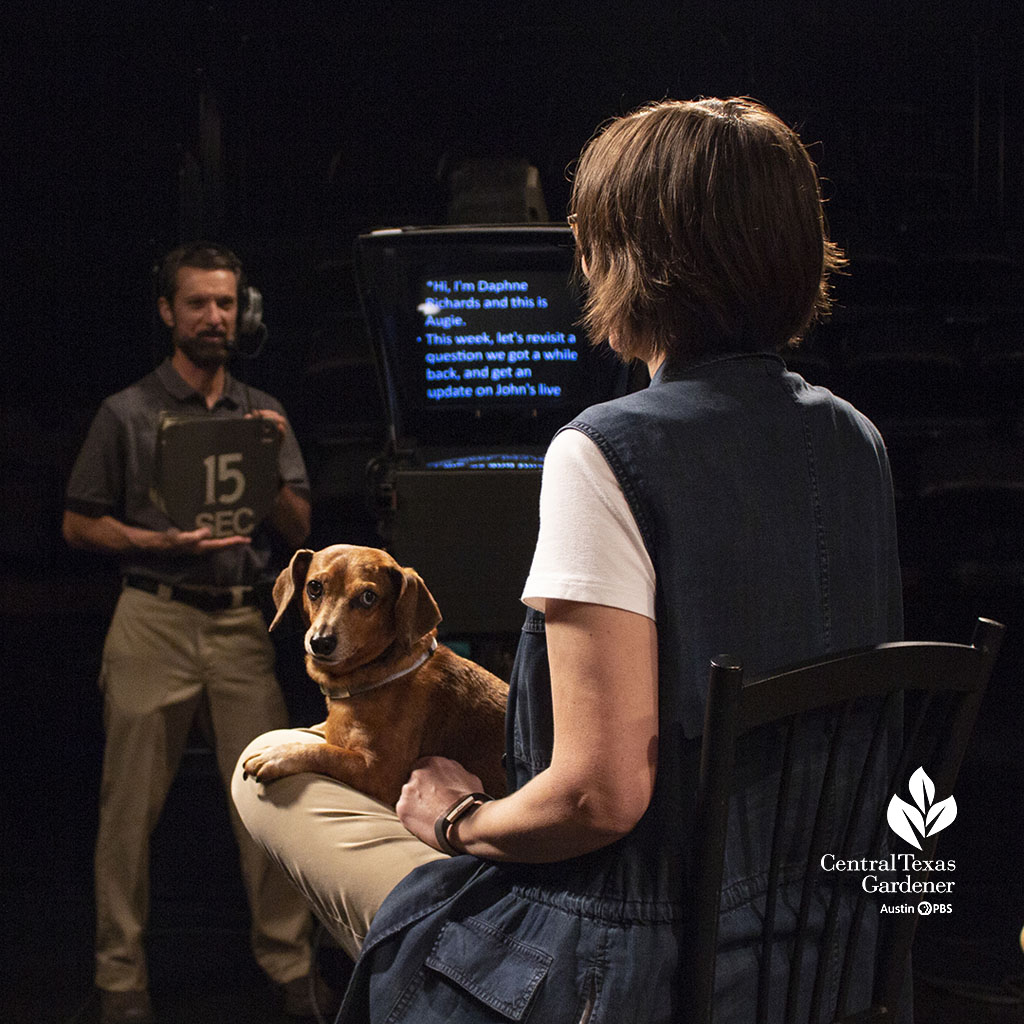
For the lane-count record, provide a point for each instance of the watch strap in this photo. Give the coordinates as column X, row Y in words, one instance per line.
column 466, row 804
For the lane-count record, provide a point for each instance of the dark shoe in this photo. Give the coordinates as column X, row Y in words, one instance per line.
column 131, row 1007
column 304, row 996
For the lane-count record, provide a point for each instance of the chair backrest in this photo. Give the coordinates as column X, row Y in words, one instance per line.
column 861, row 697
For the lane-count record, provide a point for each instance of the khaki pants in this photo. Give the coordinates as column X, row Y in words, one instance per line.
column 161, row 661
column 341, row 848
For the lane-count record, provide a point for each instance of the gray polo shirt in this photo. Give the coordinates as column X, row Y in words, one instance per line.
column 115, row 469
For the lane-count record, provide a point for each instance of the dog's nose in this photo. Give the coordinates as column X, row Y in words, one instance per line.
column 323, row 645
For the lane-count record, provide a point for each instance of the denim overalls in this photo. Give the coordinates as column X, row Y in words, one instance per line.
column 766, row 506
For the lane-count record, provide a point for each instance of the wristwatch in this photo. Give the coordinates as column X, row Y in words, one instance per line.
column 443, row 826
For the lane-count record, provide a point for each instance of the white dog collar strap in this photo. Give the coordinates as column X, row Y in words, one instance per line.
column 343, row 693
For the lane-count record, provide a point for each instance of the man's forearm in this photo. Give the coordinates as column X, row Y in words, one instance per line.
column 290, row 516
column 109, row 535
column 112, row 537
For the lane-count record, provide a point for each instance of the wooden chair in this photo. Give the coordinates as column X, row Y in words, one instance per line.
column 936, row 689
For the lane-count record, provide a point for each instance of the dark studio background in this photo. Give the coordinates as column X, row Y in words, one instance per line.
column 286, row 129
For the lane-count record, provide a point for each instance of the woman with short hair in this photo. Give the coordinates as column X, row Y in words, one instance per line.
column 730, row 506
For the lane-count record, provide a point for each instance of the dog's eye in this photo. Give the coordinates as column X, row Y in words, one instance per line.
column 368, row 598
column 315, row 589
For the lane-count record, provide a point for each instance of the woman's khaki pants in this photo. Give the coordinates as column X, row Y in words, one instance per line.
column 342, row 849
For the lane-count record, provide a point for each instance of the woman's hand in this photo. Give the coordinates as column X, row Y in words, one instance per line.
column 434, row 785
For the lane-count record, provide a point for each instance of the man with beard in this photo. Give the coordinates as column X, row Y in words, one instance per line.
column 187, row 639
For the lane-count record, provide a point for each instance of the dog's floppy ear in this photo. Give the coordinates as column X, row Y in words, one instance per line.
column 290, row 582
column 416, row 611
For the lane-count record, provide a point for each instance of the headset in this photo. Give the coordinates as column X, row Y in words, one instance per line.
column 250, row 326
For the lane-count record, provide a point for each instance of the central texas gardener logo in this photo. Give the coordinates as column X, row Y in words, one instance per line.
column 923, row 818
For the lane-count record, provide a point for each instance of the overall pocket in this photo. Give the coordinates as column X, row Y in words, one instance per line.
column 474, row 966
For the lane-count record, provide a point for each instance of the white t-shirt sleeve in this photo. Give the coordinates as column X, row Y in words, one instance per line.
column 589, row 548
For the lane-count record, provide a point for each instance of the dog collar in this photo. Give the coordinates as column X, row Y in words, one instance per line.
column 347, row 692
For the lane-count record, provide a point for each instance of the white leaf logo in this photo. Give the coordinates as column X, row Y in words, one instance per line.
column 926, row 818
column 941, row 815
column 922, row 789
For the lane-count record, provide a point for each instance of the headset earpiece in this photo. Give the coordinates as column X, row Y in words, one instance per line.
column 250, row 330
column 250, row 312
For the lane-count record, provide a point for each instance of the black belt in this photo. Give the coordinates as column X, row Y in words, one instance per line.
column 205, row 599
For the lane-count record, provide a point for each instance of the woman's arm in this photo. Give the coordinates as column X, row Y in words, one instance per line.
column 604, row 683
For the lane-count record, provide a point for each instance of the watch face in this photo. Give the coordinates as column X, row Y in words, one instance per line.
column 460, row 808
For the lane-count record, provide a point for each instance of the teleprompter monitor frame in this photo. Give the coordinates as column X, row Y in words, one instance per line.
column 477, row 335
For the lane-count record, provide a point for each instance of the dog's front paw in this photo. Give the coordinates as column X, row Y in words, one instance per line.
column 277, row 762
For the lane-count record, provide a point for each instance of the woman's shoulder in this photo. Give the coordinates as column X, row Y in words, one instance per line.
column 612, row 413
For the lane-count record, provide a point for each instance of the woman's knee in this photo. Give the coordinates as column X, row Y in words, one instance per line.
column 251, row 797
column 276, row 736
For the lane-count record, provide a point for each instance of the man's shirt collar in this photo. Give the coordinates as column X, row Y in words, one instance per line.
column 180, row 389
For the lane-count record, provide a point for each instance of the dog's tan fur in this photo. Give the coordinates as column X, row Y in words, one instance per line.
column 446, row 706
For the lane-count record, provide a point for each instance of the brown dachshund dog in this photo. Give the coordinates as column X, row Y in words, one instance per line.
column 393, row 693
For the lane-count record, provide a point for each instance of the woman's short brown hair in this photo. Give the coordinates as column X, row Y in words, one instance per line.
column 700, row 228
